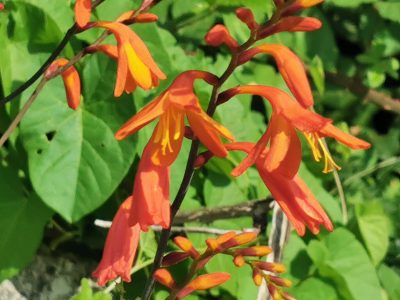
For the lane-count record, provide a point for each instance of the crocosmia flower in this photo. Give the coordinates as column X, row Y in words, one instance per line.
column 287, row 118
column 150, row 205
column 72, row 82
column 136, row 66
column 120, row 248
column 292, row 194
column 83, row 10
column 178, row 101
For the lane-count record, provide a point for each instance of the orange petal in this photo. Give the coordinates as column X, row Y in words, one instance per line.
column 284, row 155
column 292, row 70
column 166, row 141
column 83, row 10
column 148, row 113
column 208, row 131
column 344, row 138
column 138, row 70
column 144, row 54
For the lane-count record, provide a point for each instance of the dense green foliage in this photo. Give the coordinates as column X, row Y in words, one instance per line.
column 66, row 167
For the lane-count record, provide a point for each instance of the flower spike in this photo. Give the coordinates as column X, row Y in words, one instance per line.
column 83, row 10
column 72, row 82
column 178, row 101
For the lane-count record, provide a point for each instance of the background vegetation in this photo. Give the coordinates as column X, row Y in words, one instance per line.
column 63, row 169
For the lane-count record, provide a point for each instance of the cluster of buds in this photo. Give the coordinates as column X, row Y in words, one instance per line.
column 231, row 244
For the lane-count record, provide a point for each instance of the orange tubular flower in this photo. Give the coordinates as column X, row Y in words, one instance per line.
column 292, row 195
column 171, row 107
column 83, row 10
column 285, row 147
column 120, row 248
column 72, row 82
column 135, row 63
column 150, row 193
column 291, row 68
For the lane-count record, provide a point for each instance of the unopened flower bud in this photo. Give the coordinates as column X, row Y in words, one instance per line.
column 204, row 282
column 186, row 246
column 174, row 258
column 239, row 261
column 246, row 16
column 254, row 251
column 219, row 35
column 257, row 276
column 280, row 281
column 238, row 240
column 274, row 292
column 269, row 266
column 164, row 277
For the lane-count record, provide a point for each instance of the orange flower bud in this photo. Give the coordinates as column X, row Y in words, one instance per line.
column 299, row 5
column 254, row 251
column 257, row 276
column 72, row 82
column 204, row 282
column 186, row 246
column 213, row 244
column 164, row 277
column 280, row 281
column 174, row 258
column 291, row 24
column 274, row 292
column 238, row 240
column 202, row 159
column 219, row 35
column 269, row 266
column 83, row 10
column 1, row 6
column 129, row 17
column 246, row 16
column 239, row 261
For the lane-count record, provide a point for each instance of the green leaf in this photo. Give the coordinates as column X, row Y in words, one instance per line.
column 75, row 162
column 390, row 280
column 86, row 293
column 318, row 74
column 350, row 4
column 340, row 257
column 315, row 288
column 374, row 228
column 22, row 220
column 389, row 10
